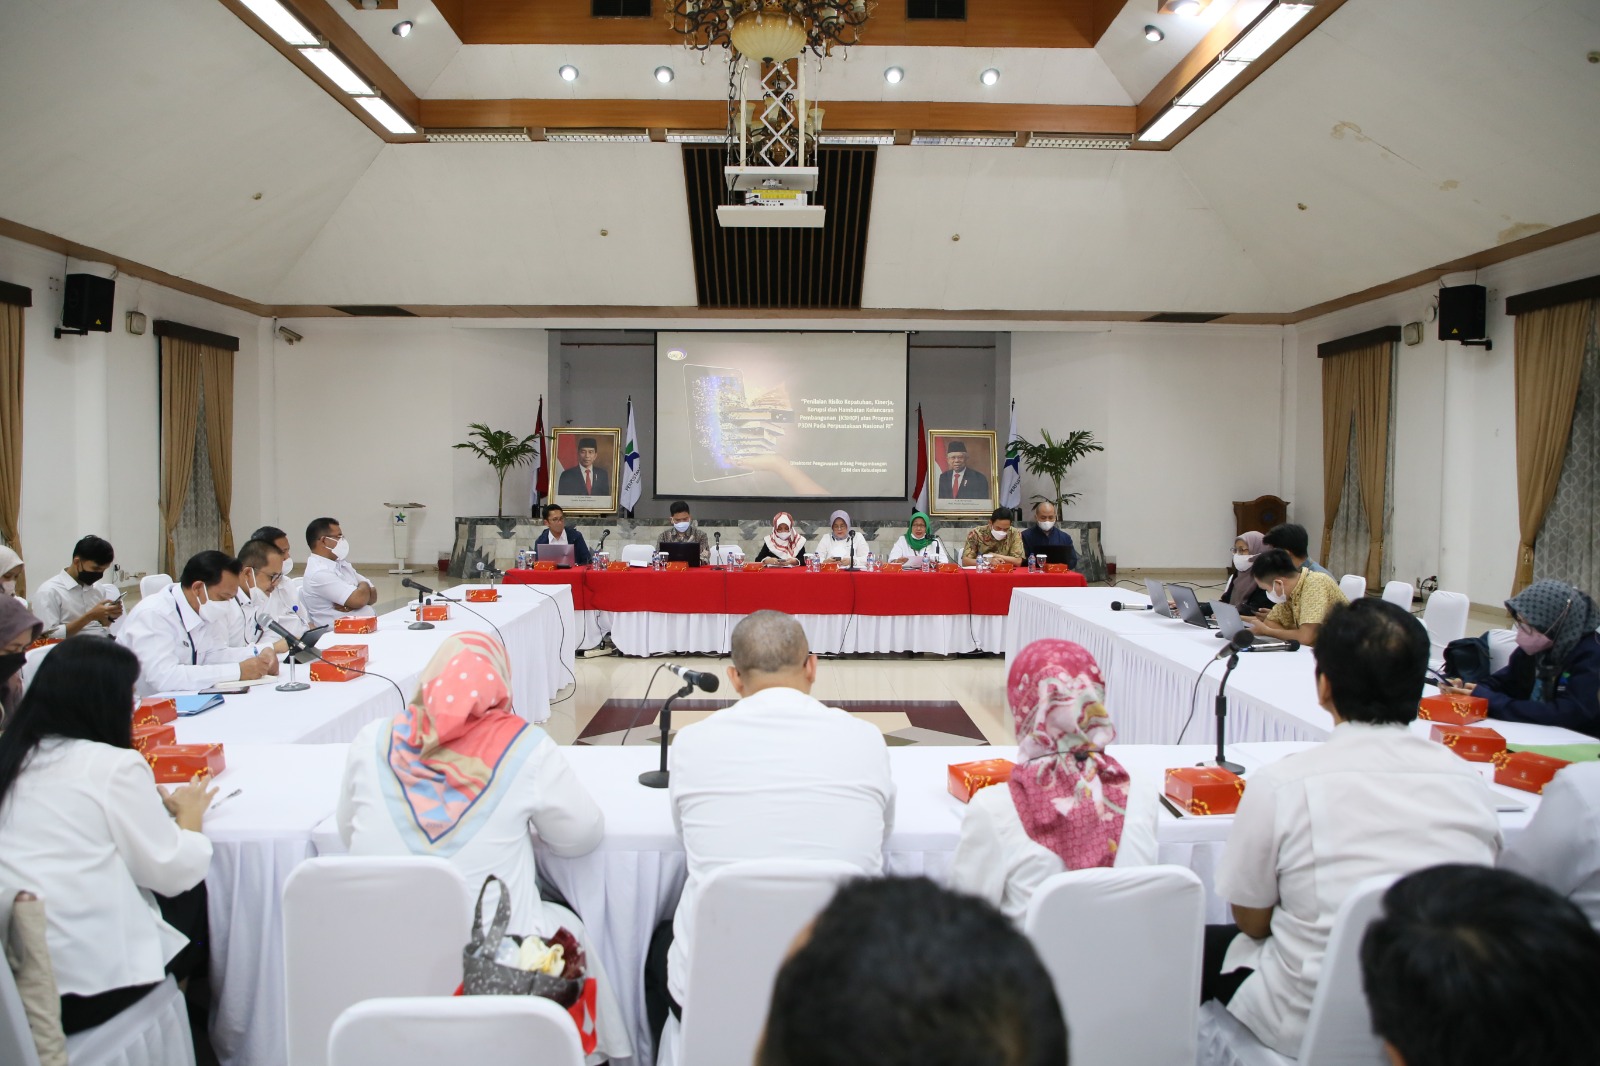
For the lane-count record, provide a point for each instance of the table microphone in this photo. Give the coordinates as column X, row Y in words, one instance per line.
column 1118, row 605
column 491, row 571
column 604, row 533
column 421, row 588
column 699, row 679
column 1240, row 641
column 1288, row 645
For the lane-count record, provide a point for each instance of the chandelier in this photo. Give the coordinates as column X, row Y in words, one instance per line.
column 772, row 125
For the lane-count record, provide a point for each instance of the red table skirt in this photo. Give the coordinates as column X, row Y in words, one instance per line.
column 793, row 591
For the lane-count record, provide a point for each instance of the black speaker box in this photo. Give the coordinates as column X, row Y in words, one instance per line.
column 86, row 303
column 1462, row 313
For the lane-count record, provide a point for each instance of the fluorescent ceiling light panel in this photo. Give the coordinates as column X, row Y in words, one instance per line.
column 335, row 68
column 279, row 21
column 856, row 137
column 1210, row 83
column 387, row 116
column 1266, row 32
column 570, row 136
column 696, row 136
column 1170, row 120
column 1067, row 140
column 965, row 140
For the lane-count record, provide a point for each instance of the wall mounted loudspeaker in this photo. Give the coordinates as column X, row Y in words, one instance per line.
column 1463, row 314
column 86, row 304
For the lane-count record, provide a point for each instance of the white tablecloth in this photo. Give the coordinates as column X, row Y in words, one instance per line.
column 538, row 628
column 652, row 633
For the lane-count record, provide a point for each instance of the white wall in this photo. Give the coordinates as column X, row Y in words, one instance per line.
column 366, row 411
column 1191, row 420
column 1455, row 505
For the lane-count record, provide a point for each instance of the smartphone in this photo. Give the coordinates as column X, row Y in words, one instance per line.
column 714, row 443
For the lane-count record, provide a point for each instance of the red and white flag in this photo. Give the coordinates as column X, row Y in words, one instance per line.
column 541, row 476
column 919, row 492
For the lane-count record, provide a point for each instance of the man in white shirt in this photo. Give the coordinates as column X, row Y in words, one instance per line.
column 332, row 586
column 180, row 634
column 777, row 775
column 1374, row 800
column 283, row 599
column 261, row 570
column 1561, row 846
column 78, row 599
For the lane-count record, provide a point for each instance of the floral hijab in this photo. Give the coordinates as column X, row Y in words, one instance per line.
column 785, row 543
column 1072, row 796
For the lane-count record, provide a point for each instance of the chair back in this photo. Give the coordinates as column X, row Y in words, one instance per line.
column 1354, row 586
column 434, row 1031
column 1123, row 949
column 723, row 554
column 1446, row 619
column 16, row 1038
column 1339, row 1032
column 151, row 584
column 747, row 915
column 362, row 928
column 1400, row 593
column 637, row 553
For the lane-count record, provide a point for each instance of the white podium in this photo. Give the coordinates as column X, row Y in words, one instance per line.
column 402, row 533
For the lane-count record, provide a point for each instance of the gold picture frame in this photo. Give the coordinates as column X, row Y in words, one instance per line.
column 980, row 472
column 566, row 478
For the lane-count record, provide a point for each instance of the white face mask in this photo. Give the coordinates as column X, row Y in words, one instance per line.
column 288, row 566
column 341, row 548
column 1275, row 596
column 999, row 534
column 8, row 587
column 213, row 611
column 258, row 598
column 1241, row 563
column 1046, row 524
column 681, row 527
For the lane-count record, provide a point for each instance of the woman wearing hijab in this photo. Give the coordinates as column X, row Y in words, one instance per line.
column 785, row 545
column 1553, row 677
column 460, row 776
column 840, row 544
column 1242, row 590
column 18, row 629
column 10, row 573
column 917, row 542
column 1069, row 805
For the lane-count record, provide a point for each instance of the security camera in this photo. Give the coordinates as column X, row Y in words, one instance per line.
column 289, row 336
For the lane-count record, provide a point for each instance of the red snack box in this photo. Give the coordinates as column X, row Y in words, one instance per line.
column 948, row 568
column 153, row 734
column 156, row 709
column 892, row 568
column 1057, row 568
column 366, row 624
column 179, row 764
column 753, row 568
column 433, row 612
column 337, row 656
column 1453, row 710
column 544, row 564
column 677, row 564
column 1002, row 568
column 1526, row 770
column 1204, row 789
column 616, row 566
column 1472, row 743
column 829, row 568
column 483, row 595
column 967, row 777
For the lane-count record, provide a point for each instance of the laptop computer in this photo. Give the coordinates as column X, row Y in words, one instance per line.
column 560, row 554
column 1056, row 553
column 1229, row 622
column 683, row 553
column 1158, row 598
column 1189, row 606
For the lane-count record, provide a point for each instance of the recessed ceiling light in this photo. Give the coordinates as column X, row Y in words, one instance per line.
column 335, row 68
column 402, row 28
column 568, row 73
column 894, row 75
column 1267, row 30
column 1186, row 7
column 279, row 21
column 391, row 119
column 1170, row 120
column 1154, row 34
column 990, row 76
column 664, row 75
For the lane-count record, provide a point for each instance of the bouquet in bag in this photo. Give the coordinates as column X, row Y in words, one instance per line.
column 498, row 964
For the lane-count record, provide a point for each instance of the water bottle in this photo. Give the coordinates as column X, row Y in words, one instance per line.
column 814, row 563
column 872, row 562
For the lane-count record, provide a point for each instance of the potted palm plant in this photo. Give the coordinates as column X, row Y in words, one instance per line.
column 502, row 450
column 1051, row 459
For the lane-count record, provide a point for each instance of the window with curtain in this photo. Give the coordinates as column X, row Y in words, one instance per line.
column 196, row 441
column 1568, row 545
column 1358, row 453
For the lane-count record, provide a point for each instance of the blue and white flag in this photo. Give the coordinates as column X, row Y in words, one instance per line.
column 632, row 468
column 1011, row 473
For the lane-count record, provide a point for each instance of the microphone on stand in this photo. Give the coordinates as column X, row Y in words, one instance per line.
column 1288, row 645
column 697, row 678
column 604, row 533
column 1118, row 605
column 299, row 652
column 421, row 590
column 1240, row 641
column 489, row 571
column 692, row 679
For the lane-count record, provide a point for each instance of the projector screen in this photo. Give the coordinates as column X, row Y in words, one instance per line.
column 781, row 415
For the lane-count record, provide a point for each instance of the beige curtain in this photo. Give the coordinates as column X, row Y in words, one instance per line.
column 11, row 426
column 181, row 371
column 1549, row 361
column 218, row 364
column 1355, row 388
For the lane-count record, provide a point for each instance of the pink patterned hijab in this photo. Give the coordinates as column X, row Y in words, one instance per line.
column 1072, row 796
column 449, row 741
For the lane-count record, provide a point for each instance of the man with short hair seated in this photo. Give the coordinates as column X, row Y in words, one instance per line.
column 556, row 532
column 778, row 775
column 180, row 634
column 1475, row 967
column 261, row 571
column 332, row 586
column 283, row 600
column 79, row 599
column 1301, row 598
column 1373, row 800
column 1045, row 534
column 1297, row 542
column 683, row 531
column 996, row 540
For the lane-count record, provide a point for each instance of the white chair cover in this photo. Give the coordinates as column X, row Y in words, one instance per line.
column 747, row 915
column 153, row 1032
column 637, row 554
column 1400, row 593
column 1123, row 948
column 1339, row 1032
column 1446, row 619
column 1354, row 586
column 151, row 584
column 1502, row 642
column 471, row 1030
column 725, row 554
column 361, row 928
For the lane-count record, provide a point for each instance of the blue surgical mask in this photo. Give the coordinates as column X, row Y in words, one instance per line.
column 681, row 527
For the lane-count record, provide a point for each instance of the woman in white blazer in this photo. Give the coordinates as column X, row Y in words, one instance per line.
column 119, row 863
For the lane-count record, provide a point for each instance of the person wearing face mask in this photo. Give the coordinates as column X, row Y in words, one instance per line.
column 1553, row 677
column 918, row 543
column 332, row 587
column 785, row 545
column 283, row 598
column 262, row 570
column 78, row 599
column 997, row 540
column 683, row 531
column 1301, row 598
column 1045, row 534
column 180, row 634
column 18, row 629
column 1242, row 591
column 10, row 573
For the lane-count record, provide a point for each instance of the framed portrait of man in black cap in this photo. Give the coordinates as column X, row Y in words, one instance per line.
column 961, row 475
column 585, row 473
